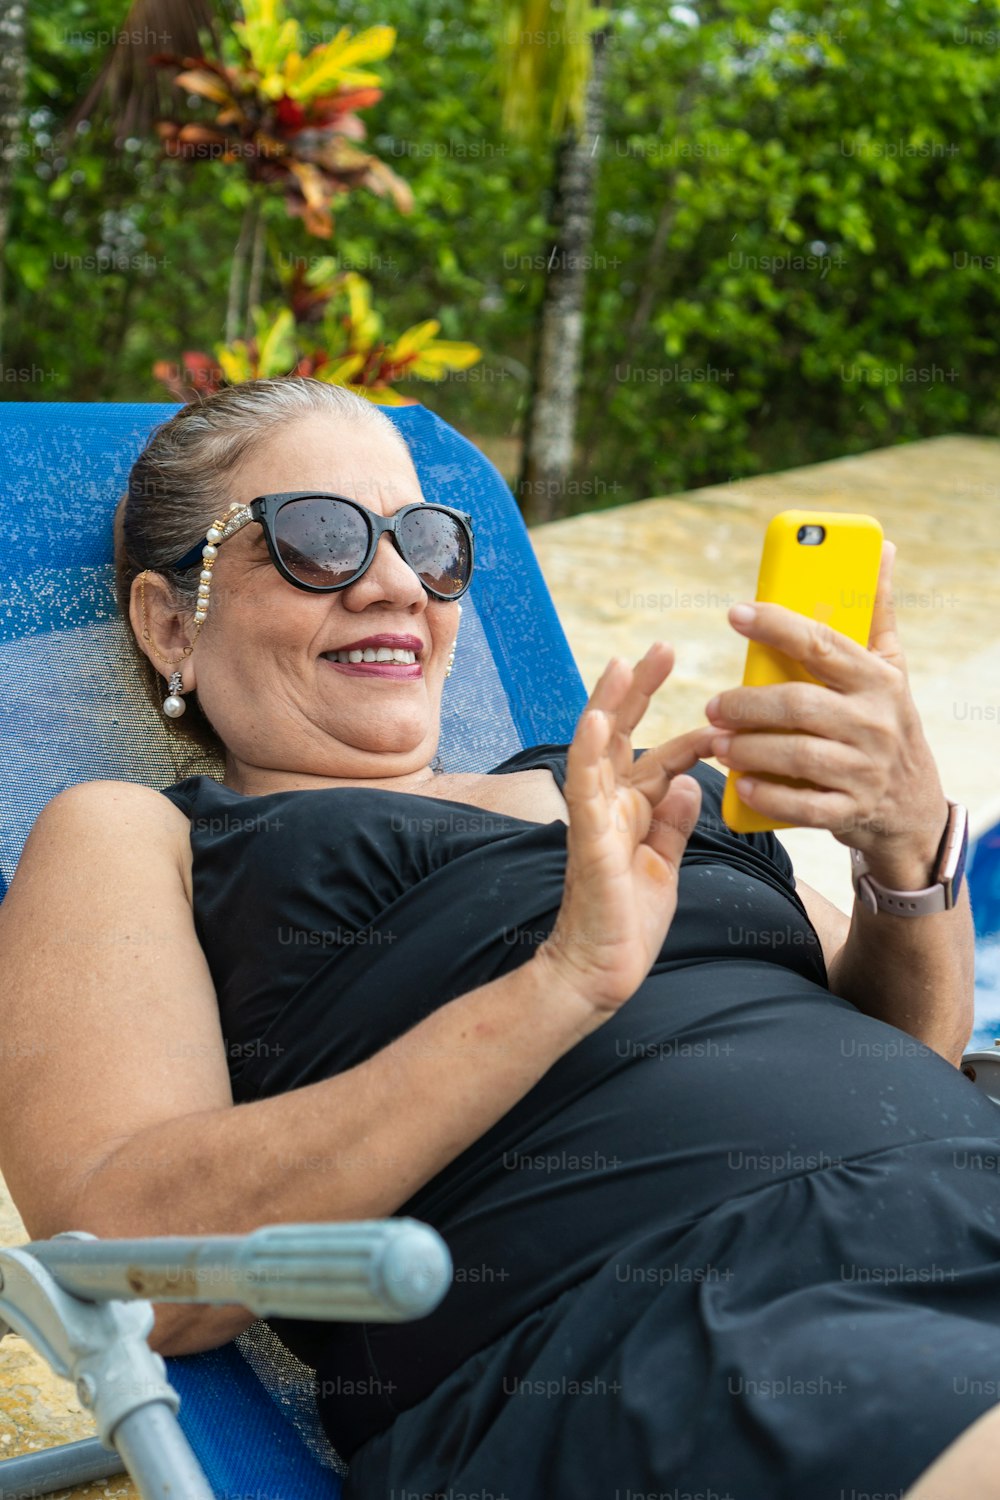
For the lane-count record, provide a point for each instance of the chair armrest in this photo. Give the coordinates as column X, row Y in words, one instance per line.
column 385, row 1270
column 86, row 1306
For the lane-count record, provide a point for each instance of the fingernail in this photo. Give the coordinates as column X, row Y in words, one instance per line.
column 742, row 614
column 721, row 744
column 745, row 786
column 712, row 707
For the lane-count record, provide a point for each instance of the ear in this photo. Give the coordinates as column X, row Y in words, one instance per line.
column 161, row 626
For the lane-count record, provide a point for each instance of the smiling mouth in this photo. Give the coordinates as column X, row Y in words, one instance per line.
column 391, row 667
column 373, row 653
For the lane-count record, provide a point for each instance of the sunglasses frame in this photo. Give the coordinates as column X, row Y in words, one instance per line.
column 266, row 508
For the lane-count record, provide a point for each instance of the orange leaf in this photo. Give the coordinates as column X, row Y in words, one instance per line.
column 207, row 85
column 199, row 135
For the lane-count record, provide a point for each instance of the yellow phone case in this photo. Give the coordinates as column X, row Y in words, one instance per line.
column 833, row 581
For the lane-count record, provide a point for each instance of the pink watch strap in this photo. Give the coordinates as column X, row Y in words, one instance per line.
column 949, row 867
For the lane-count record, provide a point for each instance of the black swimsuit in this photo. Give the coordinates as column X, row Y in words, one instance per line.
column 742, row 1238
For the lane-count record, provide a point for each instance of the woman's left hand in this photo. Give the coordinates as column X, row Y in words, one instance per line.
column 855, row 736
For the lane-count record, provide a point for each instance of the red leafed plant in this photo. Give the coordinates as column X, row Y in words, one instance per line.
column 348, row 347
column 290, row 120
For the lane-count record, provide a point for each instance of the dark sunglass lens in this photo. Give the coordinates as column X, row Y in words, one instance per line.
column 437, row 549
column 321, row 541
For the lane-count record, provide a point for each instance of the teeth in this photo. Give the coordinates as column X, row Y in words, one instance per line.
column 372, row 653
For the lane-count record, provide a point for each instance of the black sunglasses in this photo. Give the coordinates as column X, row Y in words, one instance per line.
column 326, row 542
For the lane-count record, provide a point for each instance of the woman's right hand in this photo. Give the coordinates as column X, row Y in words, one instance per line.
column 629, row 823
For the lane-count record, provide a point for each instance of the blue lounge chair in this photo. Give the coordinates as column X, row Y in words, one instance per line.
column 72, row 709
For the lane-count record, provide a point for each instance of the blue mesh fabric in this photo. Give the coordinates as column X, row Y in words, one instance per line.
column 242, row 1435
column 984, row 881
column 73, row 709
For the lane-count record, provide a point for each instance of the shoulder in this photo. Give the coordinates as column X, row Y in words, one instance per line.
column 100, row 847
column 119, row 803
column 110, row 824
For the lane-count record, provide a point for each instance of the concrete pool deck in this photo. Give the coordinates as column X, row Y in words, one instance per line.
column 668, row 569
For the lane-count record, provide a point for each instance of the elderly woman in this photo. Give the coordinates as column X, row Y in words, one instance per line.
column 699, row 1146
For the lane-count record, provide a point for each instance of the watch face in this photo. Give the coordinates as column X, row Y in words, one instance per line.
column 955, row 854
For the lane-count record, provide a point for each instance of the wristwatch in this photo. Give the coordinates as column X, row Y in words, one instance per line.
column 946, row 877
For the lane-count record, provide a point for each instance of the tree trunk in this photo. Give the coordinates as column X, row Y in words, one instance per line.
column 654, row 283
column 551, row 418
column 256, row 271
column 235, row 307
column 13, row 66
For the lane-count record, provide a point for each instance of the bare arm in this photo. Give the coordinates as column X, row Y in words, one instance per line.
column 917, row 973
column 355, row 1146
column 116, row 1113
column 114, row 1034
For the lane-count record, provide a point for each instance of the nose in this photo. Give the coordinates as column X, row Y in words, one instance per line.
column 388, row 576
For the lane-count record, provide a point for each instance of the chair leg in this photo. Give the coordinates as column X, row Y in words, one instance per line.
column 102, row 1348
column 158, row 1455
column 57, row 1468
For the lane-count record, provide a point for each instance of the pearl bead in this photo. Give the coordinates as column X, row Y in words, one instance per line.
column 213, row 534
column 173, row 706
column 209, row 551
column 206, row 575
column 199, row 616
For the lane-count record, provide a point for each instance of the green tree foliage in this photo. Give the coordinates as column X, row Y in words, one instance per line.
column 826, row 178
column 796, row 253
column 110, row 252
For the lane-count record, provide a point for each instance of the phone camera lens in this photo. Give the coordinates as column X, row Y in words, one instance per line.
column 811, row 536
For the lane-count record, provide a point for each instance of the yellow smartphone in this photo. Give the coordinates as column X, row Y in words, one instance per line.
column 825, row 565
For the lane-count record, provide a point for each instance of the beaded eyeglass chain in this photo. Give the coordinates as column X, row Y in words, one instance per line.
column 236, row 517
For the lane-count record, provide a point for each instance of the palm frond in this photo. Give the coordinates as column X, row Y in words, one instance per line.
column 544, row 57
column 127, row 89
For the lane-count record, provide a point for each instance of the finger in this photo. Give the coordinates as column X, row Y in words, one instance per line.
column 883, row 639
column 598, row 804
column 584, row 787
column 592, row 790
column 649, row 674
column 625, row 693
column 827, row 654
column 674, row 818
column 655, row 768
column 803, row 807
column 825, row 762
column 611, row 686
column 782, row 705
column 586, row 752
column 611, row 692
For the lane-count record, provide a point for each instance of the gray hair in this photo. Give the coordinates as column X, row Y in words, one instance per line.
column 180, row 483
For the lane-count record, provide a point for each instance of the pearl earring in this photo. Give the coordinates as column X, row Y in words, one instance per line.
column 173, row 703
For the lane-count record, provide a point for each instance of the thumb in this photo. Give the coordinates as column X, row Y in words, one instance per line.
column 883, row 637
